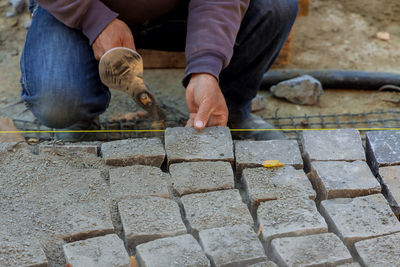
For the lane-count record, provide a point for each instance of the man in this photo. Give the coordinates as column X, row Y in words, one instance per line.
column 229, row 45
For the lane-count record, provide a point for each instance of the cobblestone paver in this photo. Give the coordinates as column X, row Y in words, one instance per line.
column 381, row 251
column 391, row 178
column 289, row 217
column 134, row 151
column 103, row 251
column 148, row 218
column 215, row 209
column 197, row 177
column 179, row 251
column 314, row 250
column 338, row 179
column 232, row 246
column 264, row 264
column 189, row 144
column 355, row 219
column 263, row 184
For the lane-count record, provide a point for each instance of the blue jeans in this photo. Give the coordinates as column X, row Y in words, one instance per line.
column 60, row 80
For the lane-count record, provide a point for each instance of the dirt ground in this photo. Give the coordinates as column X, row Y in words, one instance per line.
column 337, row 34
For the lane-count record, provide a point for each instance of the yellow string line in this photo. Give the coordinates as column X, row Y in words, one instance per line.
column 232, row 130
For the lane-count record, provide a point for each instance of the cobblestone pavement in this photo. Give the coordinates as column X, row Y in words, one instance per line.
column 201, row 199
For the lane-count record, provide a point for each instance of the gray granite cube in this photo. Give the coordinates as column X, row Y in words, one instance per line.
column 102, row 251
column 355, row 219
column 250, row 154
column 232, row 246
column 178, row 251
column 383, row 148
column 19, row 252
column 264, row 264
column 197, row 177
column 289, row 217
column 353, row 264
column 143, row 151
column 391, row 178
column 215, row 209
column 189, row 144
column 139, row 180
column 339, row 179
column 148, row 218
column 313, row 250
column 264, row 184
column 344, row 145
column 380, row 251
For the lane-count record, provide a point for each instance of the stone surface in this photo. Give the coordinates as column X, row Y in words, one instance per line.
column 289, row 217
column 383, row 149
column 339, row 179
column 313, row 250
column 264, row 264
column 258, row 103
column 355, row 219
column 353, row 264
column 262, row 184
column 189, row 144
column 381, row 251
column 344, row 144
column 215, row 209
column 103, row 251
column 178, row 251
column 69, row 148
column 250, row 154
column 196, row 177
column 232, row 246
column 148, row 218
column 139, row 180
column 303, row 90
column 391, row 178
column 134, row 151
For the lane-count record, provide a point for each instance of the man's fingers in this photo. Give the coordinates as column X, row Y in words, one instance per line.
column 203, row 115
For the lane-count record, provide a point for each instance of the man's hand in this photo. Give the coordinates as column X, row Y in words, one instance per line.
column 205, row 101
column 116, row 34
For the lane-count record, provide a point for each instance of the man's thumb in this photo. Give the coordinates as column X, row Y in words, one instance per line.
column 203, row 115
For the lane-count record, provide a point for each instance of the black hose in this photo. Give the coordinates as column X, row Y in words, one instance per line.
column 335, row 79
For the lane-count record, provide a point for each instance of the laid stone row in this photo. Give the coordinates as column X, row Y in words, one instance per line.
column 391, row 178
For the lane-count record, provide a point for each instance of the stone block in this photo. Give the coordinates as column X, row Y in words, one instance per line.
column 289, row 217
column 355, row 219
column 343, row 144
column 313, row 250
column 232, row 246
column 264, row 264
column 103, row 251
column 381, row 251
column 22, row 252
column 264, row 184
column 215, row 209
column 70, row 148
column 353, row 264
column 148, row 218
column 383, row 149
column 189, row 144
column 143, row 151
column 196, row 177
column 139, row 180
column 391, row 178
column 250, row 154
column 339, row 179
column 175, row 251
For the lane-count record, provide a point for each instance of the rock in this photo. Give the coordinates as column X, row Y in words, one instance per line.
column 264, row 264
column 18, row 5
column 69, row 148
column 126, row 152
column 27, row 24
column 215, row 209
column 138, row 181
column 380, row 251
column 148, row 218
column 353, row 264
column 355, row 219
column 178, row 251
column 339, row 179
column 303, row 90
column 391, row 179
column 198, row 177
column 289, row 217
column 232, row 246
column 313, row 250
column 103, row 251
column 189, row 144
column 258, row 103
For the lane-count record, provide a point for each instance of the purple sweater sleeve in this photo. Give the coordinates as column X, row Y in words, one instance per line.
column 81, row 14
column 212, row 29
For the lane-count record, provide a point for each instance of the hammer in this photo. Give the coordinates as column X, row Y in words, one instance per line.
column 122, row 69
